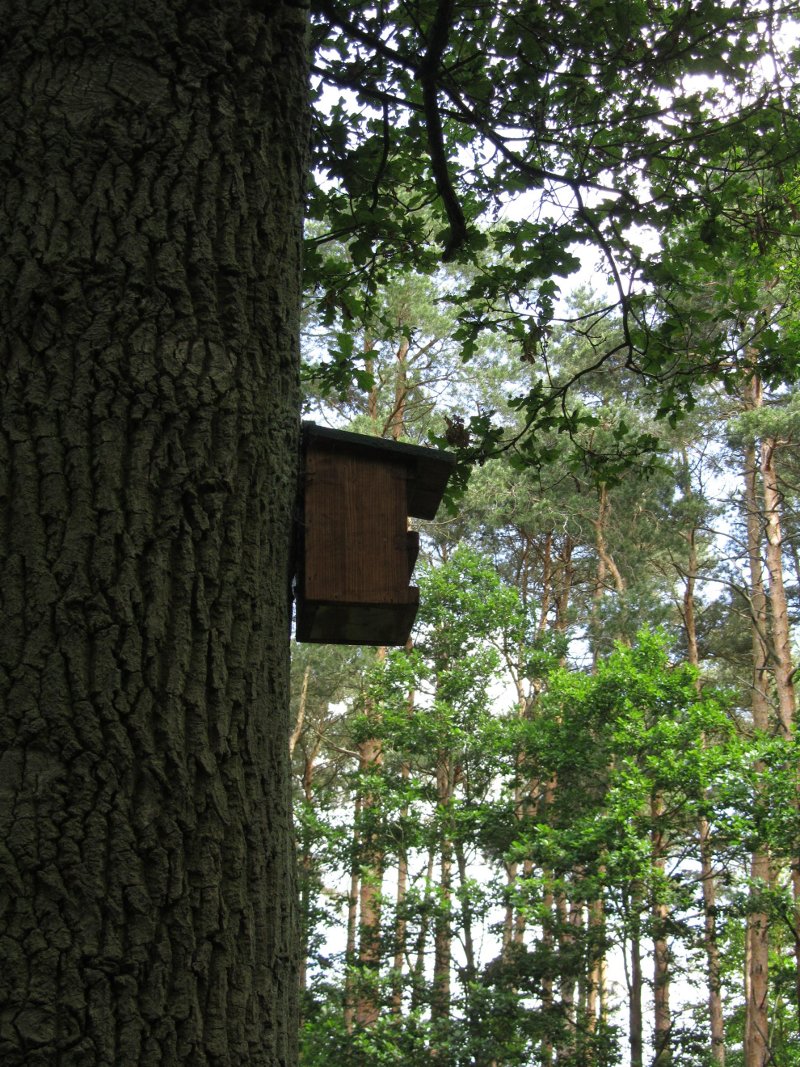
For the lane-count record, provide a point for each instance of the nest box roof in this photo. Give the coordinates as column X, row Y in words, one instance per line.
column 429, row 468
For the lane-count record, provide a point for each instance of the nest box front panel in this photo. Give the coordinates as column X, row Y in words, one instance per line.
column 356, row 552
column 355, row 529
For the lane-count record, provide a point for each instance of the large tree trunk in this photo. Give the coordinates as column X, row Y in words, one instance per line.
column 153, row 160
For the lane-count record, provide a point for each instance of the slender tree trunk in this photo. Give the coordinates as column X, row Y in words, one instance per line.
column 524, row 806
column 520, row 919
column 783, row 671
column 779, row 608
column 369, row 895
column 634, row 977
column 401, row 924
column 547, row 936
column 149, row 297
column 397, row 420
column 564, row 939
column 443, row 934
column 597, row 601
column 635, row 1013
column 711, row 941
column 306, row 865
column 600, row 524
column 566, row 575
column 661, row 951
column 570, row 922
column 352, row 921
column 547, row 585
column 511, row 870
column 418, row 982
column 301, row 712
column 596, row 985
column 756, row 1043
column 548, row 941
column 470, row 966
column 708, row 880
column 367, row 348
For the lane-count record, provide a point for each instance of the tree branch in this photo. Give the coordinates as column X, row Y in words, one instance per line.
column 428, row 68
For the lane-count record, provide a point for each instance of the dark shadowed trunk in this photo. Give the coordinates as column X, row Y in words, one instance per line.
column 149, row 290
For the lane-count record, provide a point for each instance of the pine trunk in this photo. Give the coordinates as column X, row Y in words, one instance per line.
column 779, row 608
column 708, row 879
column 756, row 1042
column 443, row 934
column 150, row 223
column 661, row 953
column 634, row 977
column 401, row 923
column 418, row 976
column 782, row 644
column 352, row 921
column 596, row 982
column 306, row 852
column 369, row 897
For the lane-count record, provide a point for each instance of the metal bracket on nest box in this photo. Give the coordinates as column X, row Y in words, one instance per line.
column 356, row 553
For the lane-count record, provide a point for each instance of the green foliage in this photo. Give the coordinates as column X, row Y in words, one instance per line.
column 516, row 140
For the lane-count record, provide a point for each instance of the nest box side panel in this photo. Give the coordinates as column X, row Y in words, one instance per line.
column 355, row 529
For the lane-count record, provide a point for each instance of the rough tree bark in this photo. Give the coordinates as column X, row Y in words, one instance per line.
column 152, row 171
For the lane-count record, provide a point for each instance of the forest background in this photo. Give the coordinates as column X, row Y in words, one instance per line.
column 588, row 752
column 623, row 557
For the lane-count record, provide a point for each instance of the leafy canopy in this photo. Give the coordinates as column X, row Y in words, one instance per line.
column 510, row 140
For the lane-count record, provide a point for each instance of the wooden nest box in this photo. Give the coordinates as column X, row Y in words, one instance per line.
column 356, row 553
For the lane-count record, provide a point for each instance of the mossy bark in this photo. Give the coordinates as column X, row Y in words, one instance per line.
column 151, row 170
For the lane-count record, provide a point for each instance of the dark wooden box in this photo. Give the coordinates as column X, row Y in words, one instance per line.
column 356, row 553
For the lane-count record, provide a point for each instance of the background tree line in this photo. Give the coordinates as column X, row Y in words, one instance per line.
column 588, row 756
